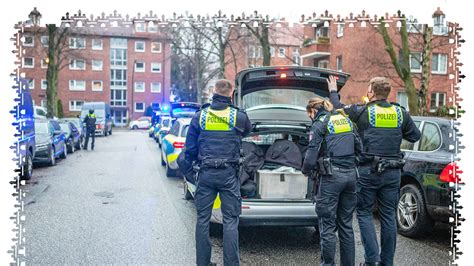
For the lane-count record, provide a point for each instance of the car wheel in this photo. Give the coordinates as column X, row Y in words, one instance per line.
column 64, row 154
column 187, row 193
column 170, row 172
column 52, row 157
column 110, row 131
column 27, row 170
column 412, row 216
column 135, row 127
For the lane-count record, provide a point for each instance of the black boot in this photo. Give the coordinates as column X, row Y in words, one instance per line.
column 371, row 264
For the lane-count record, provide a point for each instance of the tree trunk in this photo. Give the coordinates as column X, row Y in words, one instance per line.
column 51, row 72
column 425, row 69
column 265, row 43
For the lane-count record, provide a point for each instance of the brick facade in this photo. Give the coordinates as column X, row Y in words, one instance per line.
column 138, row 30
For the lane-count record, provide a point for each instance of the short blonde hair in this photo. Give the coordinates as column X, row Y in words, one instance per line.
column 381, row 87
column 223, row 87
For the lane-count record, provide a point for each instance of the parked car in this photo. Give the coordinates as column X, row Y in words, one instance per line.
column 425, row 193
column 41, row 112
column 184, row 109
column 25, row 117
column 79, row 126
column 162, row 129
column 143, row 122
column 50, row 142
column 102, row 113
column 275, row 100
column 73, row 137
column 173, row 143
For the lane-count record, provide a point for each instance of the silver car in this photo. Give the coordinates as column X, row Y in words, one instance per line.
column 275, row 99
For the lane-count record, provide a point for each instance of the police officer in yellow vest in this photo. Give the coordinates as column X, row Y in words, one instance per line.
column 214, row 142
column 332, row 152
column 382, row 126
column 90, row 121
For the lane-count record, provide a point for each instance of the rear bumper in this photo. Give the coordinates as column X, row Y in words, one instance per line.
column 274, row 214
column 41, row 156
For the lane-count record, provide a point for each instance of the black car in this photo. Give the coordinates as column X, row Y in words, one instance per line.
column 73, row 136
column 50, row 142
column 425, row 193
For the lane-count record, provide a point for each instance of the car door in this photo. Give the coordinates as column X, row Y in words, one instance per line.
column 171, row 137
column 60, row 139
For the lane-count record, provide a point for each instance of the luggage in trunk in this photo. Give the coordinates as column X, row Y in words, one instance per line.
column 281, row 184
column 284, row 152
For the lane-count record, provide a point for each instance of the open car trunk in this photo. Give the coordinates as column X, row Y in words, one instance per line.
column 275, row 100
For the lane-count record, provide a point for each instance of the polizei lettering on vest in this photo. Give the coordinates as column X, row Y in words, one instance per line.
column 216, row 120
column 340, row 122
column 387, row 116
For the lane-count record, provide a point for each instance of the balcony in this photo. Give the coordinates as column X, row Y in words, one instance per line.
column 315, row 48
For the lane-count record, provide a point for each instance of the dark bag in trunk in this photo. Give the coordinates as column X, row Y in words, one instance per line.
column 284, row 152
column 253, row 160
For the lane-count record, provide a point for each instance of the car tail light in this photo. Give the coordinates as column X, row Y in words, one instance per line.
column 283, row 75
column 450, row 173
column 99, row 126
column 178, row 145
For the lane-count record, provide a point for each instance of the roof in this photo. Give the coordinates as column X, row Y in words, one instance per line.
column 438, row 120
column 438, row 12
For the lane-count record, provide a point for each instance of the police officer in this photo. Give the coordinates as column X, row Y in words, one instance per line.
column 382, row 126
column 90, row 120
column 214, row 141
column 332, row 151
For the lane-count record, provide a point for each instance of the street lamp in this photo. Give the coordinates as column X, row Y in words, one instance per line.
column 133, row 89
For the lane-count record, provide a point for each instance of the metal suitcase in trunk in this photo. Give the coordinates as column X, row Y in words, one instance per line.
column 276, row 185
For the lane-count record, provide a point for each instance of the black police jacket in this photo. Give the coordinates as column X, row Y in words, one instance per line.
column 90, row 121
column 342, row 148
column 378, row 141
column 202, row 143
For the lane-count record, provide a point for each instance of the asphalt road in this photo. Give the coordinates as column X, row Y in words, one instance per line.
column 115, row 205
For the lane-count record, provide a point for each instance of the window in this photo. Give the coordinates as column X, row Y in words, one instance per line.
column 97, row 44
column 438, row 99
column 340, row 30
column 139, row 86
column 323, row 64
column 339, row 63
column 77, row 64
column 281, row 52
column 43, row 104
column 252, row 52
column 140, row 27
column 415, row 62
column 97, row 65
column 140, row 66
column 43, row 63
column 97, row 85
column 139, row 107
column 118, row 97
column 175, row 129
column 29, row 40
column 31, row 83
column 152, row 27
column 77, row 85
column 406, row 145
column 439, row 64
column 44, row 41
column 118, row 57
column 118, row 43
column 28, row 62
column 184, row 132
column 155, row 67
column 156, row 47
column 118, row 77
column 402, row 99
column 75, row 105
column 77, row 43
column 259, row 52
column 44, row 84
column 272, row 51
column 139, row 46
column 156, row 87
column 430, row 137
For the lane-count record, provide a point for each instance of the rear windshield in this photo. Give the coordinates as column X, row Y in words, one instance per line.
column 277, row 97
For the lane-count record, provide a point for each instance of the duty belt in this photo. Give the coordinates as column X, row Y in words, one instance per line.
column 218, row 163
column 381, row 164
